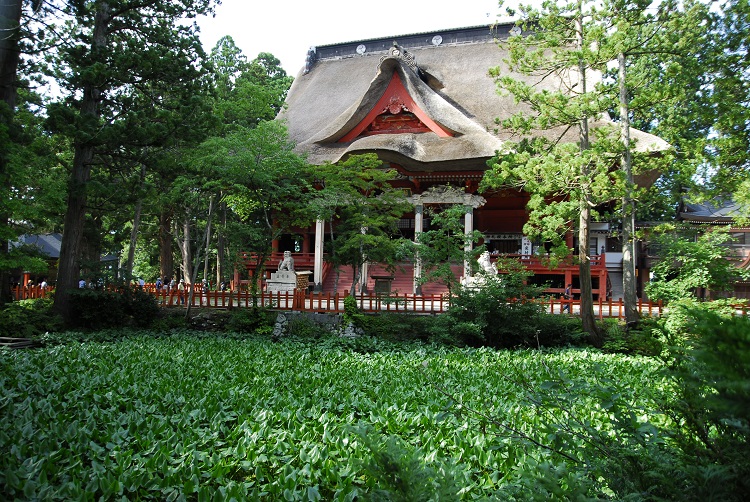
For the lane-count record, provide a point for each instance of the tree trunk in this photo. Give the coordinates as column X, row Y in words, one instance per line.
column 133, row 240
column 208, row 236
column 134, row 230
column 194, row 275
column 75, row 214
column 185, row 249
column 630, row 294
column 166, row 258
column 584, row 270
column 221, row 245
column 584, row 221
column 10, row 20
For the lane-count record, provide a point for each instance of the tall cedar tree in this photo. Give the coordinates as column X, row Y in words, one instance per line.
column 11, row 41
column 646, row 38
column 115, row 49
column 566, row 180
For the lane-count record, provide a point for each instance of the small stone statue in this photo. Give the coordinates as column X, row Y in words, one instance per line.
column 488, row 267
column 287, row 263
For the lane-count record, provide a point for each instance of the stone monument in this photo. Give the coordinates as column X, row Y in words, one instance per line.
column 284, row 279
column 488, row 269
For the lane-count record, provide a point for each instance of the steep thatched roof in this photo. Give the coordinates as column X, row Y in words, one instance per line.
column 446, row 75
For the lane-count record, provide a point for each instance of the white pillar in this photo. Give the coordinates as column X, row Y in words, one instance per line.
column 468, row 230
column 418, row 227
column 318, row 263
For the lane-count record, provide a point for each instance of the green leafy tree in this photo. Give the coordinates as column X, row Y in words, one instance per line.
column 20, row 142
column 650, row 42
column 115, row 51
column 691, row 266
column 567, row 180
column 356, row 194
column 263, row 182
column 443, row 245
column 246, row 94
column 726, row 59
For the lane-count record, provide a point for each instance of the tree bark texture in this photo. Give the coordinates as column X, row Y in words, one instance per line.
column 185, row 249
column 630, row 293
column 75, row 215
column 584, row 221
column 166, row 257
column 10, row 20
column 221, row 246
column 133, row 239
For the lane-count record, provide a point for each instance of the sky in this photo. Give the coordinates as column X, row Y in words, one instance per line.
column 288, row 28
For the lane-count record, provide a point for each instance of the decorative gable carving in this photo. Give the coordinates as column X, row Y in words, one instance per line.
column 396, row 112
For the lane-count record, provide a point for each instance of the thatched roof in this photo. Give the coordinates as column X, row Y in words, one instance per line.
column 446, row 75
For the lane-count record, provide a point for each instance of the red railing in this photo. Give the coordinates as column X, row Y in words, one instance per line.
column 304, row 301
column 29, row 293
column 334, row 303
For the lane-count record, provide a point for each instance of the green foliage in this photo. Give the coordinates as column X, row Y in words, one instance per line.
column 558, row 179
column 444, row 243
column 28, row 318
column 396, row 472
column 646, row 340
column 194, row 414
column 98, row 309
column 250, row 320
column 356, row 198
column 304, row 327
column 500, row 312
column 169, row 319
column 397, row 327
column 712, row 400
column 351, row 310
column 688, row 266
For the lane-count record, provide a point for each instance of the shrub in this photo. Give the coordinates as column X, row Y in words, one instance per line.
column 250, row 320
column 95, row 309
column 500, row 313
column 28, row 318
column 170, row 319
column 352, row 313
column 712, row 400
column 644, row 341
column 304, row 327
column 397, row 327
column 398, row 472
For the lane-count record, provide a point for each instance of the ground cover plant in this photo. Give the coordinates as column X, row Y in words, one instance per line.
column 202, row 416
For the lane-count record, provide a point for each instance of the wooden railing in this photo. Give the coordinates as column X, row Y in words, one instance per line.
column 304, row 301
column 334, row 303
column 29, row 293
column 541, row 262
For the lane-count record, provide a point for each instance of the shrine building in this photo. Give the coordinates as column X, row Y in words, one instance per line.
column 426, row 105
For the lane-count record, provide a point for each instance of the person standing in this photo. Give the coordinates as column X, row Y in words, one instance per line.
column 567, row 295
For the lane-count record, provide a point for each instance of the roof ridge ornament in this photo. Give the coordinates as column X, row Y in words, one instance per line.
column 398, row 52
column 310, row 59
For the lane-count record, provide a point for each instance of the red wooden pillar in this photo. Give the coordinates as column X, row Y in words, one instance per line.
column 306, row 242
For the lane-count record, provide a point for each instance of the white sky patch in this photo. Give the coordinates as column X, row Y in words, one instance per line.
column 288, row 28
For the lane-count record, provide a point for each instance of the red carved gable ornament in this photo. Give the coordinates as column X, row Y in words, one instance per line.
column 395, row 113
